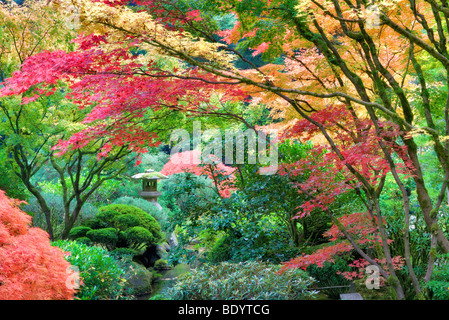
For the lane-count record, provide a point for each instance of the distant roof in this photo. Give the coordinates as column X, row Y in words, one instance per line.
column 149, row 174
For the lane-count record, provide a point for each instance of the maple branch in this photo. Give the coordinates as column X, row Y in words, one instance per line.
column 172, row 75
column 234, row 116
column 422, row 20
column 339, row 16
column 268, row 85
column 347, row 235
column 413, row 38
column 439, row 148
column 442, row 8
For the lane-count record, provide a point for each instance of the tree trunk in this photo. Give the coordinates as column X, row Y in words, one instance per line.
column 69, row 223
column 44, row 207
column 424, row 199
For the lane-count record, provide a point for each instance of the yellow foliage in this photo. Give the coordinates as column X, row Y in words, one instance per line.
column 118, row 22
column 30, row 29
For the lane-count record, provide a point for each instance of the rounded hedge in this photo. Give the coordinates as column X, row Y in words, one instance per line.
column 126, row 221
column 78, row 232
column 106, row 236
column 138, row 235
column 112, row 217
column 84, row 240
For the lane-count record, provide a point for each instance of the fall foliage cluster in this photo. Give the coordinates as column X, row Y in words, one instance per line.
column 363, row 84
column 30, row 268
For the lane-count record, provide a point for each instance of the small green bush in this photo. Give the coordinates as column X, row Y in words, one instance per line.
column 438, row 286
column 147, row 206
column 123, row 253
column 242, row 281
column 109, row 214
column 78, row 232
column 221, row 251
column 106, row 236
column 136, row 236
column 84, row 240
column 101, row 275
column 121, row 226
column 126, row 221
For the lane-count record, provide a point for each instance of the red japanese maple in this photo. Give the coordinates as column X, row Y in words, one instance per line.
column 191, row 161
column 30, row 268
column 116, row 91
column 360, row 268
column 361, row 227
column 319, row 257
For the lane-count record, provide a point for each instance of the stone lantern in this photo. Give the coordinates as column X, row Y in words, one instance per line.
column 149, row 185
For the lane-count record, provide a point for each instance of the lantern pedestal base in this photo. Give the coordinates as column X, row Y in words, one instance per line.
column 151, row 196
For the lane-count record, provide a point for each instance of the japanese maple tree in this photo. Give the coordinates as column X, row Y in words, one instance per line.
column 190, row 161
column 339, row 60
column 30, row 268
column 31, row 127
column 352, row 82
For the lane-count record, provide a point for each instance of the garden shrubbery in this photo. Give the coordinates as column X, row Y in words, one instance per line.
column 438, row 286
column 147, row 206
column 242, row 281
column 120, row 226
column 327, row 276
column 102, row 276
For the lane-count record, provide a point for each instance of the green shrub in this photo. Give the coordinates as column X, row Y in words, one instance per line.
column 93, row 223
column 147, row 206
column 105, row 218
column 438, row 285
column 122, row 226
column 101, row 275
column 78, row 232
column 106, row 236
column 326, row 276
column 242, row 281
column 221, row 251
column 262, row 247
column 137, row 236
column 126, row 221
column 84, row 240
column 120, row 253
column 109, row 214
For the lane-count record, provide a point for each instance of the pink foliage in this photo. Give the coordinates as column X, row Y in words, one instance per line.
column 30, row 268
column 319, row 257
column 189, row 161
column 261, row 48
column 111, row 86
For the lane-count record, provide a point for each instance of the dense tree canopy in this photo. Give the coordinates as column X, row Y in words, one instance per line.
column 366, row 84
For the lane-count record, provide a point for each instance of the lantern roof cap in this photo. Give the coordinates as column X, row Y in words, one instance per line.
column 149, row 174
